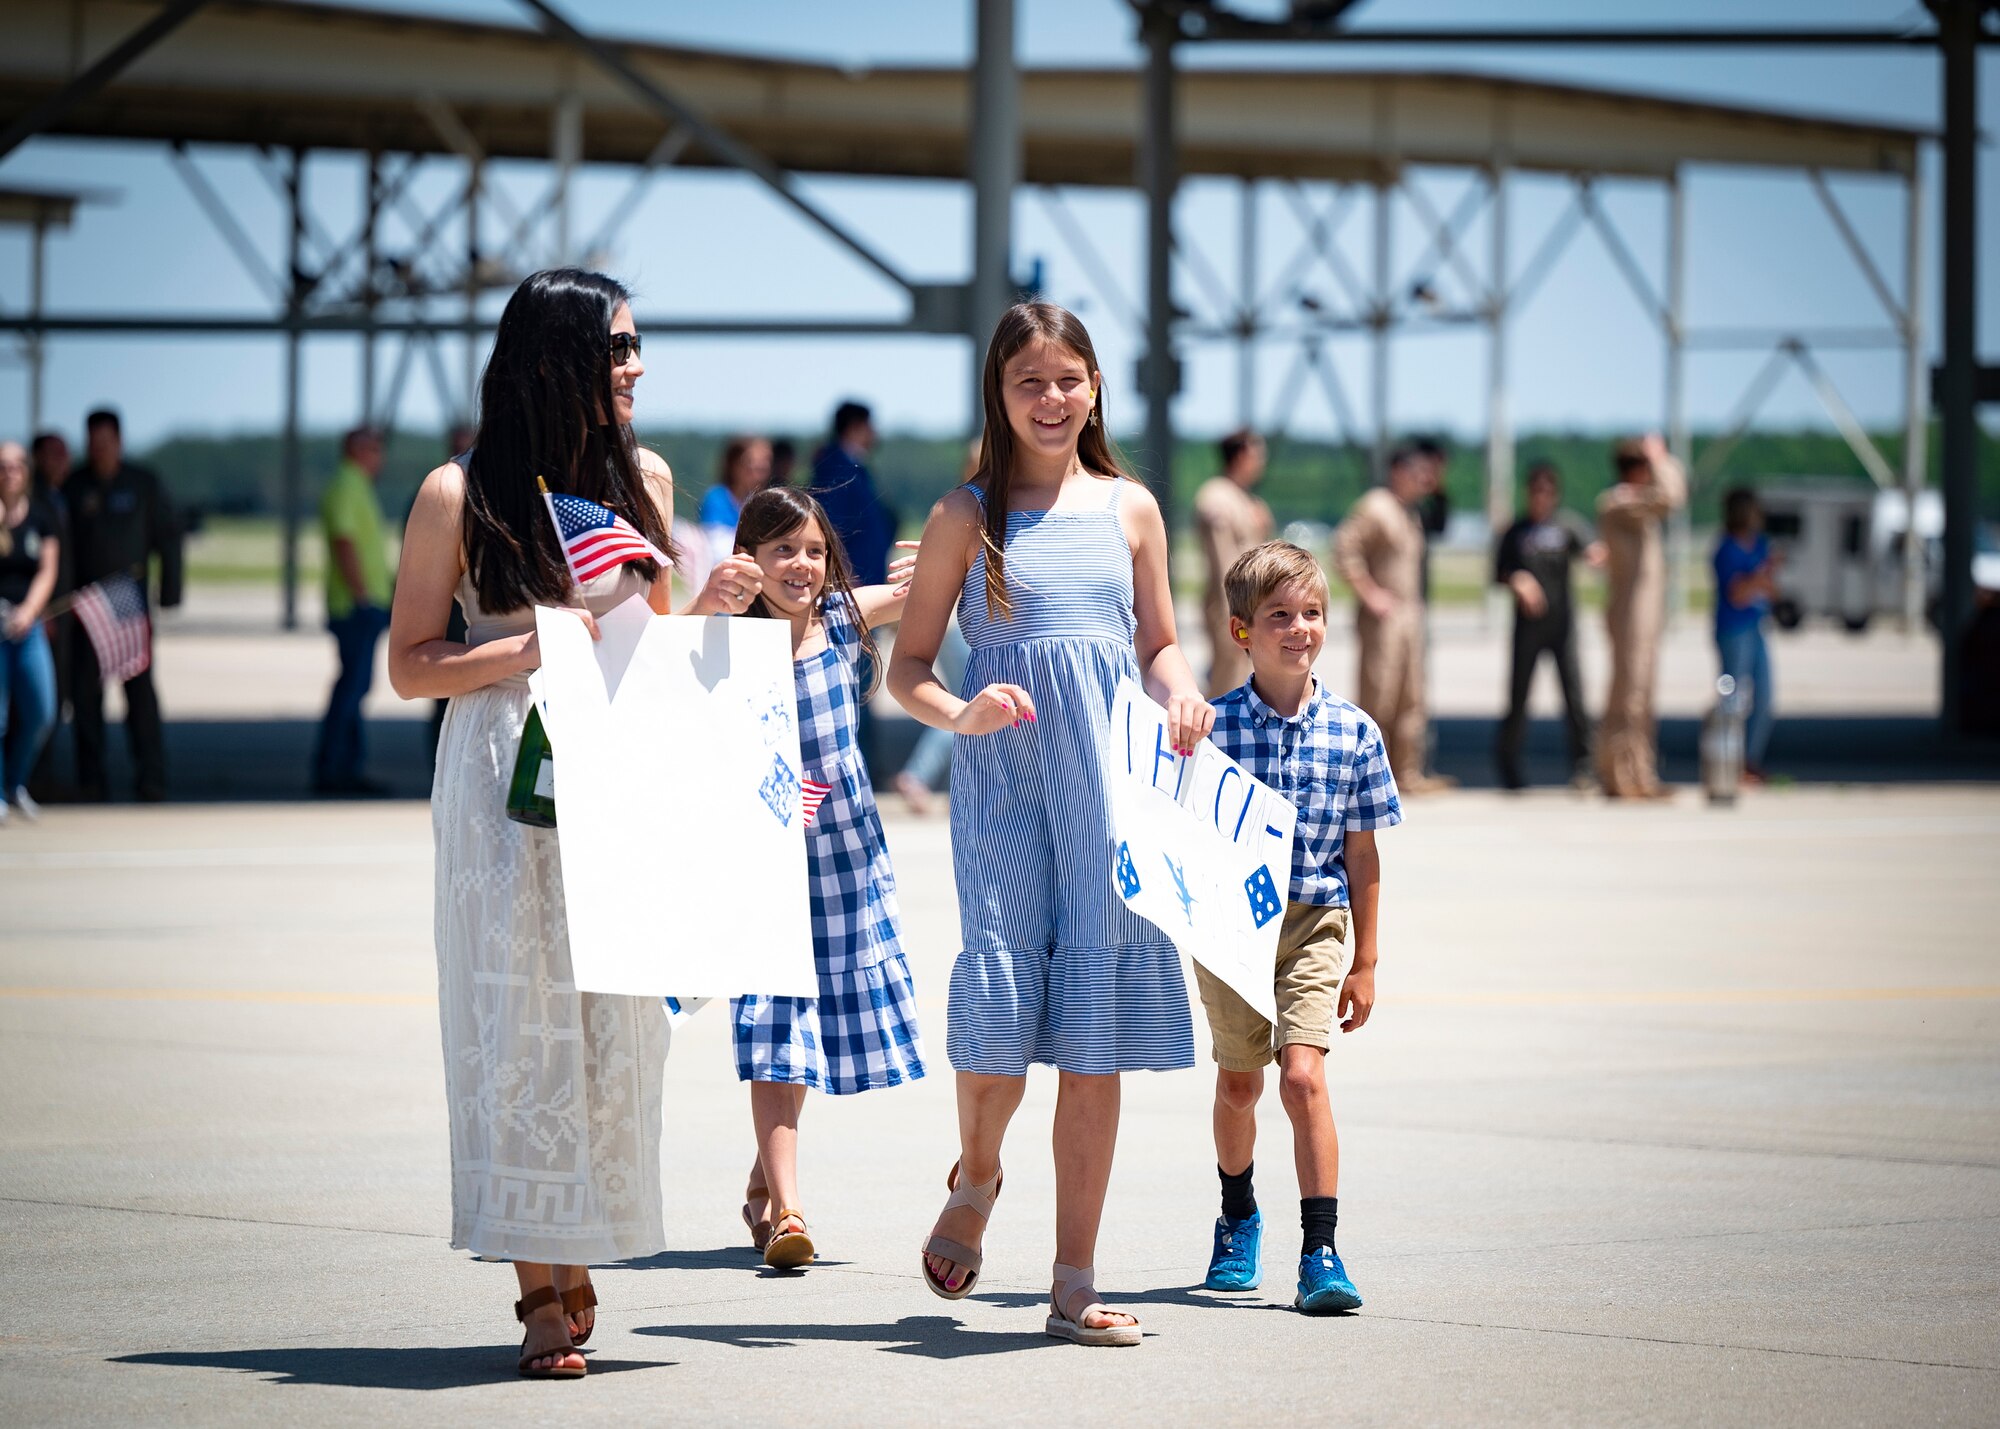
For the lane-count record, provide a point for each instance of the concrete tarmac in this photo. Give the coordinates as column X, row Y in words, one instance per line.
column 1666, row 1116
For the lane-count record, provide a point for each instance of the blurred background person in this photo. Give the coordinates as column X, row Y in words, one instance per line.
column 30, row 553
column 1533, row 561
column 1230, row 520
column 1433, row 508
column 49, row 460
column 1630, row 515
column 357, row 609
column 784, row 462
column 846, row 489
column 458, row 441
column 743, row 471
column 120, row 520
column 930, row 758
column 1746, row 582
column 1379, row 552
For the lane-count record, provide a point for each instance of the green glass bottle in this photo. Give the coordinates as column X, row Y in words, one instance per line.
column 531, row 796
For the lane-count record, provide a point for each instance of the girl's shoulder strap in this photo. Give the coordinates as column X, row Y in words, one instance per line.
column 978, row 493
column 842, row 619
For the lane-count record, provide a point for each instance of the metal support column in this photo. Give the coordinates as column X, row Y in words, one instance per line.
column 1499, row 418
column 1158, row 162
column 35, row 343
column 289, row 468
column 468, row 403
column 1246, row 305
column 1916, row 399
column 1958, row 27
column 566, row 149
column 1680, row 530
column 371, row 198
column 1379, row 319
column 996, row 172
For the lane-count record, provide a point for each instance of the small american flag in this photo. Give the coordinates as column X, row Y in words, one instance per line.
column 113, row 614
column 812, row 794
column 595, row 538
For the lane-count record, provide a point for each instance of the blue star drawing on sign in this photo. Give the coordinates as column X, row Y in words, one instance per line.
column 780, row 790
column 1128, row 874
column 1181, row 889
column 1264, row 904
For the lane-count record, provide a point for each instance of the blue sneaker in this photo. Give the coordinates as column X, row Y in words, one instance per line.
column 1323, row 1284
column 1237, row 1262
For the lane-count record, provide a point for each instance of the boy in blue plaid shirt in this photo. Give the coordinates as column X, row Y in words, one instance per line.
column 1326, row 756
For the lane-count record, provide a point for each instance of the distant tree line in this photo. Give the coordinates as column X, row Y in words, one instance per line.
column 1308, row 480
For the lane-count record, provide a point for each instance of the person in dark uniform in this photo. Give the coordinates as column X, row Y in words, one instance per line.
column 120, row 518
column 1533, row 562
column 841, row 481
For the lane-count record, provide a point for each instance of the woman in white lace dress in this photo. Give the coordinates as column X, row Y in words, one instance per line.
column 554, row 1094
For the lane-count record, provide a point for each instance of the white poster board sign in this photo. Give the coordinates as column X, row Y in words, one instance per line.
column 676, row 751
column 1204, row 849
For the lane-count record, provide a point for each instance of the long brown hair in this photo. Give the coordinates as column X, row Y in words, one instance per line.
column 542, row 402
column 1020, row 325
column 775, row 513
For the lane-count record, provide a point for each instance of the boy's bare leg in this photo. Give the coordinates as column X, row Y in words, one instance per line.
column 1236, row 1095
column 986, row 1104
column 1315, row 1144
column 1086, row 1135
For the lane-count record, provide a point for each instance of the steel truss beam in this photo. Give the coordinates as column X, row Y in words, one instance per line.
column 114, row 63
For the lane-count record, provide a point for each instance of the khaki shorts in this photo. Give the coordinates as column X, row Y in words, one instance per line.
column 1312, row 963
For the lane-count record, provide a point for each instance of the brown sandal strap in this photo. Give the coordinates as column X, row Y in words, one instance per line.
column 535, row 1300
column 788, row 1215
column 578, row 1298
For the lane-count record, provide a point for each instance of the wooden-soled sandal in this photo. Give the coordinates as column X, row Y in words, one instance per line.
column 760, row 1231
column 981, row 1199
column 526, row 1306
column 1071, row 1282
column 575, row 1301
column 788, row 1250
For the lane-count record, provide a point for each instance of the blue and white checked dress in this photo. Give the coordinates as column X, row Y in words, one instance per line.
column 861, row 1031
column 1055, row 968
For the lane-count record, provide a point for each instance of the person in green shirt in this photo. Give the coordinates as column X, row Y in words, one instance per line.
column 357, row 609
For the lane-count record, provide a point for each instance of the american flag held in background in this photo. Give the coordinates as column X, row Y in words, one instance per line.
column 113, row 614
column 595, row 538
column 811, row 794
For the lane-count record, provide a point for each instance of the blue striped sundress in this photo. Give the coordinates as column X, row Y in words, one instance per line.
column 1055, row 968
column 861, row 1031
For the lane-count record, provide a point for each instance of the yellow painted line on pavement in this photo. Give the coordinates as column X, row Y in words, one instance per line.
column 1670, row 997
column 277, row 997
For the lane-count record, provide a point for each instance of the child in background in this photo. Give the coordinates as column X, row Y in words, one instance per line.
column 1326, row 756
column 1746, row 582
column 860, row 1033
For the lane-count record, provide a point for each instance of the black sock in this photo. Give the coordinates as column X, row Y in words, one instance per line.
column 1238, row 1202
column 1318, row 1215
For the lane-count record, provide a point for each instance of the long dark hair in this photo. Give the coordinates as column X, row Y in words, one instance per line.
column 1020, row 325
column 545, row 405
column 775, row 513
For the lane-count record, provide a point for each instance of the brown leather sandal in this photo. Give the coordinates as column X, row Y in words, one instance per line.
column 526, row 1306
column 575, row 1301
column 760, row 1231
column 788, row 1250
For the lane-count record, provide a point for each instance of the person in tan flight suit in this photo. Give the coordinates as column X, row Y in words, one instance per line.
column 1379, row 552
column 1630, row 515
column 1231, row 520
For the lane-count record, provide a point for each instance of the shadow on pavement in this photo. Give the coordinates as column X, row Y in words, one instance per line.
column 726, row 1257
column 373, row 1367
column 937, row 1337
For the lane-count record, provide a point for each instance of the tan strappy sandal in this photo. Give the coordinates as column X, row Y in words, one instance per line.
column 575, row 1301
column 981, row 1199
column 788, row 1250
column 760, row 1231
column 1072, row 1281
column 523, row 1308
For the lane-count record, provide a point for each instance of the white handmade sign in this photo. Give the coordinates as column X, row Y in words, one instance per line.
column 682, row 838
column 1204, row 849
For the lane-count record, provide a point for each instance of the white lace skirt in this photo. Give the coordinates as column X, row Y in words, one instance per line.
column 554, row 1094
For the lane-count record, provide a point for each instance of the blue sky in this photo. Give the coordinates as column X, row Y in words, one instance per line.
column 1583, row 354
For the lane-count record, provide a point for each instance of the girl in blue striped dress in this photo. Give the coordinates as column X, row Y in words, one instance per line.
column 1057, row 563
column 861, row 1031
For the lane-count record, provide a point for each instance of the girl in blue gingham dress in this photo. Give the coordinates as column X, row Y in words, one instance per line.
column 860, row 1033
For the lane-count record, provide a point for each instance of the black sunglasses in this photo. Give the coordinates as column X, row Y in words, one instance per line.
column 624, row 346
